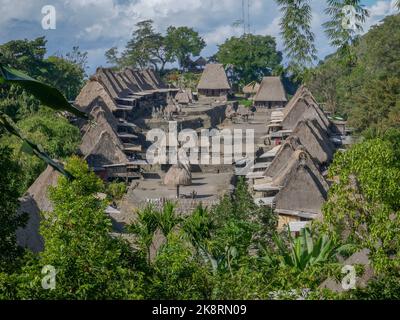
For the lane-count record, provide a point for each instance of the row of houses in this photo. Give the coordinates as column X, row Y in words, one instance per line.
column 109, row 140
column 290, row 178
column 270, row 93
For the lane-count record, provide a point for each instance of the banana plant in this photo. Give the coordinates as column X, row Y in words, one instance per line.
column 304, row 252
column 48, row 96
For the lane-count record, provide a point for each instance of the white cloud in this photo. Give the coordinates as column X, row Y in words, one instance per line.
column 96, row 25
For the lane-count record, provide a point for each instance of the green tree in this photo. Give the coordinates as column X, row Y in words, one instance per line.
column 53, row 133
column 182, row 43
column 364, row 201
column 90, row 262
column 251, row 56
column 10, row 177
column 66, row 76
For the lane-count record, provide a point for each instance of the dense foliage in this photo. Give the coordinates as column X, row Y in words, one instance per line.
column 251, row 57
column 363, row 82
column 149, row 48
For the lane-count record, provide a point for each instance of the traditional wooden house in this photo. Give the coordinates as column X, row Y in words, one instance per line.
column 303, row 195
column 214, row 82
column 279, row 191
column 271, row 93
column 303, row 107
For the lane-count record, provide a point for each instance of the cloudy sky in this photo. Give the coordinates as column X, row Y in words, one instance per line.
column 97, row 25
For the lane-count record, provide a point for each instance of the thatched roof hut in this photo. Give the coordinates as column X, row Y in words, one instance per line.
column 148, row 76
column 213, row 81
column 93, row 90
column 303, row 107
column 271, row 93
column 299, row 157
column 35, row 201
column 315, row 140
column 284, row 154
column 39, row 189
column 95, row 130
column 303, row 194
column 178, row 175
column 251, row 88
column 105, row 152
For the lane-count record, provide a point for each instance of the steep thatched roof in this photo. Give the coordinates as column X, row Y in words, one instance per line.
column 36, row 200
column 111, row 88
column 29, row 237
column 284, row 154
column 178, row 175
column 92, row 91
column 156, row 79
column 299, row 157
column 315, row 140
column 94, row 131
column 39, row 189
column 105, row 152
column 251, row 88
column 214, row 77
column 98, row 106
column 303, row 107
column 271, row 89
column 304, row 193
column 149, row 78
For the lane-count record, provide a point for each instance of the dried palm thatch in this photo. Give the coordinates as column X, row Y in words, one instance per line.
column 94, row 131
column 149, row 78
column 39, row 189
column 299, row 157
column 35, row 201
column 178, row 175
column 284, row 154
column 304, row 109
column 214, row 78
column 251, row 88
column 271, row 89
column 313, row 138
column 92, row 91
column 105, row 152
column 306, row 203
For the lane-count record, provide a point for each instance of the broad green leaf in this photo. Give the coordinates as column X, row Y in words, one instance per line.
column 47, row 95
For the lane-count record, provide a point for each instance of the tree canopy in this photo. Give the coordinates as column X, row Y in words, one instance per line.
column 251, row 57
